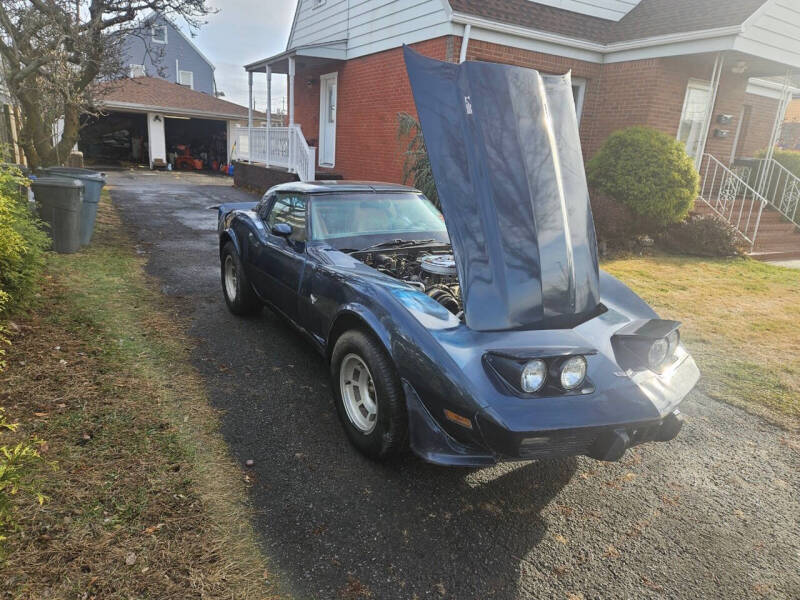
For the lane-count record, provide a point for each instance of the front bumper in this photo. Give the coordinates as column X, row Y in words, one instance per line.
column 605, row 440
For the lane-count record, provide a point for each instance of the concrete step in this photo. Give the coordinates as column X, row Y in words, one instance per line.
column 773, row 256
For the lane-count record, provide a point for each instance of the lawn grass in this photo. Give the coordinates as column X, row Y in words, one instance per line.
column 741, row 321
column 144, row 501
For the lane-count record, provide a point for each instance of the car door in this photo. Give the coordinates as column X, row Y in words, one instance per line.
column 279, row 262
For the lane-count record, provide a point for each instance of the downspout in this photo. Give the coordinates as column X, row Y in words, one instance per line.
column 715, row 78
column 464, row 43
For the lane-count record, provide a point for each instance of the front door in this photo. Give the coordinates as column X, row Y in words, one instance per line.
column 327, row 119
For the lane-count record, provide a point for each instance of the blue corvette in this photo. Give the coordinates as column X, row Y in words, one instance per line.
column 481, row 334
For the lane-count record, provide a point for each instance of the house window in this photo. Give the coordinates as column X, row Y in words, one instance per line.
column 138, row 71
column 186, row 78
column 159, row 34
column 578, row 93
column 693, row 117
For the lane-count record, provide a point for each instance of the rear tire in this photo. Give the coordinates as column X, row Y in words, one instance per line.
column 239, row 294
column 369, row 397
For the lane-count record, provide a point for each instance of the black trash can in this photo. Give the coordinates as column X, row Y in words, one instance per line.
column 59, row 203
column 93, row 182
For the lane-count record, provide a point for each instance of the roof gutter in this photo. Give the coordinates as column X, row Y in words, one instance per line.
column 603, row 50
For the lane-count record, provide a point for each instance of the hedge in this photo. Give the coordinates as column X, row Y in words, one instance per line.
column 22, row 245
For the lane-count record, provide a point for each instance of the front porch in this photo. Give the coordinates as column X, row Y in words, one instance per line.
column 286, row 148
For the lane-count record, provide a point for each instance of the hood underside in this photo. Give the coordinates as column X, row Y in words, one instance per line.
column 506, row 157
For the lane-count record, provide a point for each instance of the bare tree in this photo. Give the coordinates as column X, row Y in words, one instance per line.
column 52, row 52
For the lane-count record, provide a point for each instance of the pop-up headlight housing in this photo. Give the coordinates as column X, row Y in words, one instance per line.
column 646, row 344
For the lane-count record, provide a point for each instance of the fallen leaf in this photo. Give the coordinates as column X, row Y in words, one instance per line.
column 611, row 552
column 561, row 538
column 130, row 558
column 152, row 529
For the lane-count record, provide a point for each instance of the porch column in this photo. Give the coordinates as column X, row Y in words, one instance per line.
column 269, row 107
column 291, row 113
column 780, row 115
column 712, row 103
column 291, row 90
column 249, row 113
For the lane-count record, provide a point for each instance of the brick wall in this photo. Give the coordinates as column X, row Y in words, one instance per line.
column 258, row 179
column 756, row 135
column 373, row 89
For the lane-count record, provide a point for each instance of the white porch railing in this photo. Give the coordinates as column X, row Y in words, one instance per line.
column 731, row 197
column 779, row 186
column 283, row 147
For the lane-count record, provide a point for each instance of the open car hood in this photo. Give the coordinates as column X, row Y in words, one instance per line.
column 506, row 157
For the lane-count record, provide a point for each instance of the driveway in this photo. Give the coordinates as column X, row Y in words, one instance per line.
column 712, row 514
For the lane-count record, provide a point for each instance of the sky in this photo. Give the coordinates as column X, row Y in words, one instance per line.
column 241, row 32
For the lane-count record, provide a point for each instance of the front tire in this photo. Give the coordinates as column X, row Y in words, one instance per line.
column 239, row 294
column 368, row 395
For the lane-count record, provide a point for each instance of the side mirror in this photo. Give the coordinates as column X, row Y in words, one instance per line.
column 282, row 229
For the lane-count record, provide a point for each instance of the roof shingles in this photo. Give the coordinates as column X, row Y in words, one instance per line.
column 153, row 92
column 648, row 19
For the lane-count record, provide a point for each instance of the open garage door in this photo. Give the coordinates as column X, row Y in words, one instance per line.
column 114, row 138
column 195, row 144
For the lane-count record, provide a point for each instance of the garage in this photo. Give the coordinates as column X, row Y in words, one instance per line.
column 115, row 138
column 156, row 123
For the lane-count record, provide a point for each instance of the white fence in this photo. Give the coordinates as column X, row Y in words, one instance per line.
column 283, row 147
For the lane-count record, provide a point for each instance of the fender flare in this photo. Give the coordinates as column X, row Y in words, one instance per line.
column 229, row 235
column 366, row 317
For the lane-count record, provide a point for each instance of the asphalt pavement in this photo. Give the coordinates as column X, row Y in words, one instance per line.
column 713, row 514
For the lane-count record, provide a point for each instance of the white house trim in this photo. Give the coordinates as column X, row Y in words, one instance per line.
column 691, row 42
column 768, row 89
column 202, row 114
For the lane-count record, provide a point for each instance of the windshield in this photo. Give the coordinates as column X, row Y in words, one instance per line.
column 339, row 216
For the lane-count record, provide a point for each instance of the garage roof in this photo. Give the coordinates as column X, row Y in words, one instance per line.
column 152, row 94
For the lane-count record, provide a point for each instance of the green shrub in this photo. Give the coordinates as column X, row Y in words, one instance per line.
column 647, row 171
column 22, row 242
column 416, row 164
column 703, row 235
column 15, row 463
column 788, row 158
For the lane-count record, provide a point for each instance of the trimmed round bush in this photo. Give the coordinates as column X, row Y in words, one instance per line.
column 647, row 171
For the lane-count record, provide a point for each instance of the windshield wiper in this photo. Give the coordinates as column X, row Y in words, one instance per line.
column 396, row 243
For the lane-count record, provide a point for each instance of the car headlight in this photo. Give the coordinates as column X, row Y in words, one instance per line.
column 646, row 344
column 533, row 376
column 673, row 339
column 658, row 353
column 573, row 372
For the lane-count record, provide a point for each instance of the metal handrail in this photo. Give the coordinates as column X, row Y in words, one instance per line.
column 731, row 197
column 786, row 188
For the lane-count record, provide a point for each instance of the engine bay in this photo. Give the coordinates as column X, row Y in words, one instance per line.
column 432, row 272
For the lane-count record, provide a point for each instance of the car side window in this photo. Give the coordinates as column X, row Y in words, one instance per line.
column 289, row 209
column 263, row 207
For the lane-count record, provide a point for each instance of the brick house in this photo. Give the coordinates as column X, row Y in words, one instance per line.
column 716, row 74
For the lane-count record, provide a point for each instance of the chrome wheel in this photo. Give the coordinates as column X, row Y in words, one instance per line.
column 231, row 280
column 358, row 393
